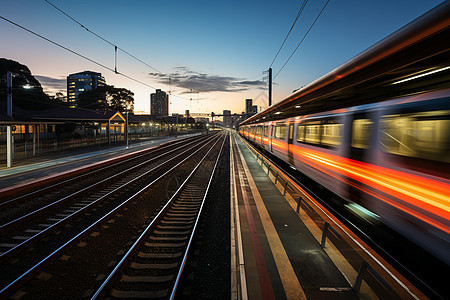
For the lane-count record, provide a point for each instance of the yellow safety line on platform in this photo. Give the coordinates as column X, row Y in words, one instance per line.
column 291, row 285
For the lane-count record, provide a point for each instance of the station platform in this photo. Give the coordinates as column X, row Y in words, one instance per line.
column 278, row 251
column 51, row 163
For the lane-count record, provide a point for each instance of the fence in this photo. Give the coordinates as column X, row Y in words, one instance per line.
column 24, row 145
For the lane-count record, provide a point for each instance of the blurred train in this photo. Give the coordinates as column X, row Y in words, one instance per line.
column 376, row 132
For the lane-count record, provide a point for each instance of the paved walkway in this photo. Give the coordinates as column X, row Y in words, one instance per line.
column 280, row 258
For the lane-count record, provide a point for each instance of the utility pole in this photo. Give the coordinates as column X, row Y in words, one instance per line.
column 270, row 87
column 9, row 114
column 126, row 129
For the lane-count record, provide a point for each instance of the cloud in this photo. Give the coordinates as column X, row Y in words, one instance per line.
column 187, row 79
column 51, row 83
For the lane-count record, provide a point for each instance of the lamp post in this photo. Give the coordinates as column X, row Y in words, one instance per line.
column 9, row 114
column 9, row 109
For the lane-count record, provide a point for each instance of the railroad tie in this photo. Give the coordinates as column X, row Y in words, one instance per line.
column 165, row 245
column 166, row 232
column 187, row 227
column 147, row 279
column 159, row 255
column 171, row 221
column 138, row 266
column 168, row 238
column 139, row 294
column 182, row 214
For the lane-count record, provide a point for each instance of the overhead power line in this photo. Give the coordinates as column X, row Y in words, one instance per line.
column 115, row 49
column 83, row 56
column 102, row 38
column 293, row 24
column 74, row 52
column 323, row 8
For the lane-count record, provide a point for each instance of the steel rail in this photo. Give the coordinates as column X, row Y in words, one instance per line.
column 5, row 225
column 183, row 263
column 122, row 263
column 64, row 220
column 129, row 157
column 9, row 288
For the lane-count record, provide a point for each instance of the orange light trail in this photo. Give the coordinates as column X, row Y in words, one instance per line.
column 421, row 193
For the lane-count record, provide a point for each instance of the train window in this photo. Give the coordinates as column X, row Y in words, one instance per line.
column 332, row 133
column 422, row 135
column 280, row 131
column 301, row 133
column 266, row 130
column 325, row 132
column 361, row 133
column 312, row 133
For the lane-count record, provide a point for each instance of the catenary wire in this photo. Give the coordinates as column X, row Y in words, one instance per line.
column 323, row 8
column 56, row 44
column 102, row 38
column 116, row 47
column 83, row 56
column 119, row 48
column 295, row 21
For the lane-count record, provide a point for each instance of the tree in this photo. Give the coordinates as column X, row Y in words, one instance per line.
column 107, row 97
column 31, row 99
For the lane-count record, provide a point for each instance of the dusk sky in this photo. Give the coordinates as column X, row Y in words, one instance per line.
column 217, row 48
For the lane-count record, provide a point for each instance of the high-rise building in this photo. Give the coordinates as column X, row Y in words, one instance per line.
column 159, row 103
column 250, row 109
column 227, row 118
column 248, row 105
column 80, row 82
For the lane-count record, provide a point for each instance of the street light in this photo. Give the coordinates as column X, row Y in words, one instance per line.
column 9, row 113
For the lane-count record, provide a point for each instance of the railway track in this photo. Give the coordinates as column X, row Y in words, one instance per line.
column 71, row 181
column 153, row 266
column 46, row 240
column 25, row 229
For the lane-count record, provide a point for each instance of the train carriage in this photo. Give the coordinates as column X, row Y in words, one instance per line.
column 376, row 131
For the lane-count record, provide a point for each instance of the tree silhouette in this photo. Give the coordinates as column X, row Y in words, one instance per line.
column 33, row 98
column 107, row 97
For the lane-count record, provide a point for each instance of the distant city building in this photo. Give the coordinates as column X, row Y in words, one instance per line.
column 79, row 82
column 250, row 109
column 248, row 105
column 202, row 120
column 159, row 103
column 199, row 115
column 227, row 118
